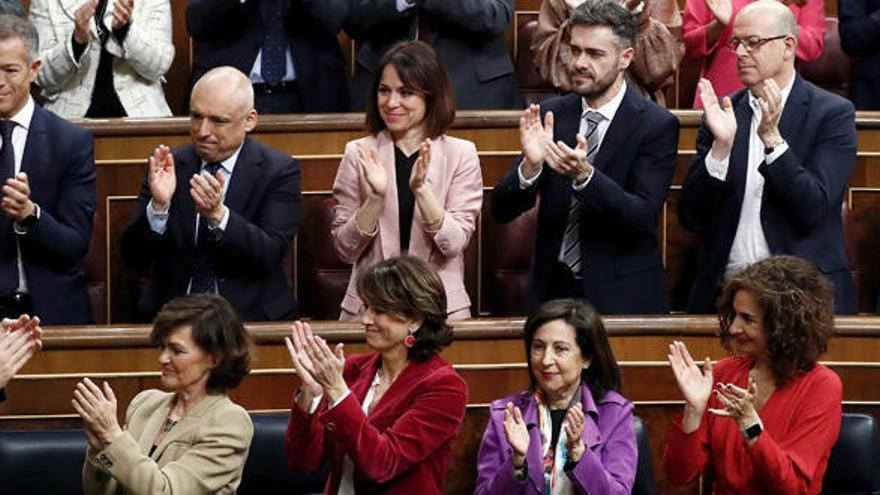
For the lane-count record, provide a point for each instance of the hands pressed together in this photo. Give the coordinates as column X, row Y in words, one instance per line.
column 517, row 433
column 83, row 16
column 16, row 202
column 319, row 368
column 536, row 139
column 97, row 407
column 19, row 340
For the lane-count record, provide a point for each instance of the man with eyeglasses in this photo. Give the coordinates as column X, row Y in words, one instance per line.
column 772, row 164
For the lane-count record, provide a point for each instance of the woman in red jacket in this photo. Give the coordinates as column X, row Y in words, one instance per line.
column 766, row 418
column 385, row 420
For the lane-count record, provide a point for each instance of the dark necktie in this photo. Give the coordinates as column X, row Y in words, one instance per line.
column 273, row 61
column 204, row 277
column 8, row 247
column 571, row 253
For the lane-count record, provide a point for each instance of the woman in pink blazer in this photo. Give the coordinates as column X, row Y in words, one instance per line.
column 407, row 187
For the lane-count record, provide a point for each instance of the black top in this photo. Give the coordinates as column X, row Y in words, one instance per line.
column 406, row 200
column 556, row 418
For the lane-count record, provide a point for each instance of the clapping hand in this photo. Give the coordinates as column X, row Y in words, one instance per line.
column 771, row 109
column 206, row 191
column 162, row 178
column 82, row 19
column 721, row 9
column 695, row 384
column 373, row 172
column 574, row 431
column 19, row 340
column 517, row 434
column 122, row 13
column 534, row 138
column 16, row 202
column 739, row 404
column 299, row 332
column 719, row 118
column 324, row 366
column 419, row 176
column 97, row 408
column 569, row 162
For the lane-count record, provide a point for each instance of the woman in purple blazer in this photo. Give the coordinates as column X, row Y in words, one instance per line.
column 571, row 432
column 407, row 187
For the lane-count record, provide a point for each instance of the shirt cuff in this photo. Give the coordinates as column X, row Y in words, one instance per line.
column 523, row 182
column 402, row 5
column 582, row 185
column 339, row 400
column 158, row 221
column 717, row 168
column 777, row 152
column 223, row 221
column 21, row 229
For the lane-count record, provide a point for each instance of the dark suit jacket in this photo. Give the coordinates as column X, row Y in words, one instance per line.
column 860, row 37
column 229, row 32
column 12, row 7
column 59, row 161
column 803, row 192
column 623, row 270
column 469, row 38
column 403, row 447
column 265, row 208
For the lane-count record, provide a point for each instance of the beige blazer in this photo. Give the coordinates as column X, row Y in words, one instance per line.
column 139, row 62
column 456, row 179
column 204, row 453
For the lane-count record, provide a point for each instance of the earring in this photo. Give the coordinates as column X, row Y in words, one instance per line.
column 410, row 339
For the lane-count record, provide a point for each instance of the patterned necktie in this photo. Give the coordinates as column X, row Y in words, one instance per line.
column 204, row 278
column 273, row 61
column 570, row 253
column 8, row 248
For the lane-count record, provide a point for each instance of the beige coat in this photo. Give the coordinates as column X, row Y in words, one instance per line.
column 139, row 62
column 204, row 453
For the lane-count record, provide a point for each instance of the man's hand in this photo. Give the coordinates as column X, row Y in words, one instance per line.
column 162, row 178
column 19, row 340
column 16, row 203
column 534, row 138
column 207, row 192
column 771, row 109
column 720, row 119
column 570, row 162
column 122, row 13
column 81, row 20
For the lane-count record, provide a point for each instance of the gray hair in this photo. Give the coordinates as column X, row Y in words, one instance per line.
column 607, row 13
column 13, row 26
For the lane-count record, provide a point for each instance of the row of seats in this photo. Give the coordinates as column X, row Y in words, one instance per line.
column 49, row 461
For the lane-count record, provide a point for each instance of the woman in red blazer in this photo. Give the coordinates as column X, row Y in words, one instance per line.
column 385, row 420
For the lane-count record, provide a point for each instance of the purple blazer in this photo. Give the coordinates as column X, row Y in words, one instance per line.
column 608, row 465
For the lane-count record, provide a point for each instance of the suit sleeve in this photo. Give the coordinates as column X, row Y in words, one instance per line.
column 261, row 244
column 370, row 19
column 147, row 46
column 480, row 19
column 56, row 54
column 140, row 245
column 611, row 470
column 211, row 463
column 329, row 14
column 304, row 440
column 812, row 189
column 859, row 28
column 811, row 30
column 348, row 239
column 209, row 19
column 432, row 418
column 788, row 465
column 509, row 200
column 94, row 477
column 701, row 194
column 696, row 21
column 65, row 234
column 463, row 202
column 636, row 206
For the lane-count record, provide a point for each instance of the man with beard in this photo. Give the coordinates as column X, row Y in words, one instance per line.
column 772, row 164
column 601, row 160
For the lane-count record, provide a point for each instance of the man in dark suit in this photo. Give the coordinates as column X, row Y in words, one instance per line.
column 772, row 164
column 288, row 48
column 601, row 162
column 860, row 37
column 47, row 170
column 468, row 36
column 218, row 216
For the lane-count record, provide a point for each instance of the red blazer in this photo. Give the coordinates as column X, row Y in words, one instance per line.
column 403, row 447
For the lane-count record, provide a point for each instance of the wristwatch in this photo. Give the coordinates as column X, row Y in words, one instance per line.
column 753, row 431
column 769, row 149
column 29, row 221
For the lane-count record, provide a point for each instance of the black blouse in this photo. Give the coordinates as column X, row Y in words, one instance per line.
column 406, row 200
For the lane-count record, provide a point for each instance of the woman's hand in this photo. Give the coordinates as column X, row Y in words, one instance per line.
column 418, row 178
column 739, row 404
column 97, row 408
column 373, row 172
column 695, row 384
column 299, row 332
column 517, row 434
column 326, row 367
column 574, row 430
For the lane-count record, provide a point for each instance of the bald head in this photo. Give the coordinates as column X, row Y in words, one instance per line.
column 227, row 84
column 777, row 13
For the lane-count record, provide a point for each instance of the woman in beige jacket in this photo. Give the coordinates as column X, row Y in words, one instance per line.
column 192, row 439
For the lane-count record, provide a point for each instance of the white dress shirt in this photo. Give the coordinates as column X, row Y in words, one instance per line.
column 749, row 243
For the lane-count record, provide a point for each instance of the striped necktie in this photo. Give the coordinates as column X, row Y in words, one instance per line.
column 571, row 253
column 204, row 276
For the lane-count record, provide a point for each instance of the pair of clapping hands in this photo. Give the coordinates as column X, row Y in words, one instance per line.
column 19, row 340
column 697, row 386
column 16, row 202
column 538, row 147
column 517, row 433
column 721, row 119
column 122, row 10
column 318, row 367
column 206, row 190
column 377, row 179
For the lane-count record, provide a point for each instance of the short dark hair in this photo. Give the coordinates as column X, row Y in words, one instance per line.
column 797, row 301
column 607, row 13
column 603, row 375
column 420, row 70
column 216, row 329
column 13, row 26
column 409, row 287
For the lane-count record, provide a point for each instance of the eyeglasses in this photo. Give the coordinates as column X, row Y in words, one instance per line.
column 752, row 43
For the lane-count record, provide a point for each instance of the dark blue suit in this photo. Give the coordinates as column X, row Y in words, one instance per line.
column 59, row 161
column 803, row 192
column 623, row 269
column 860, row 37
column 229, row 32
column 265, row 208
